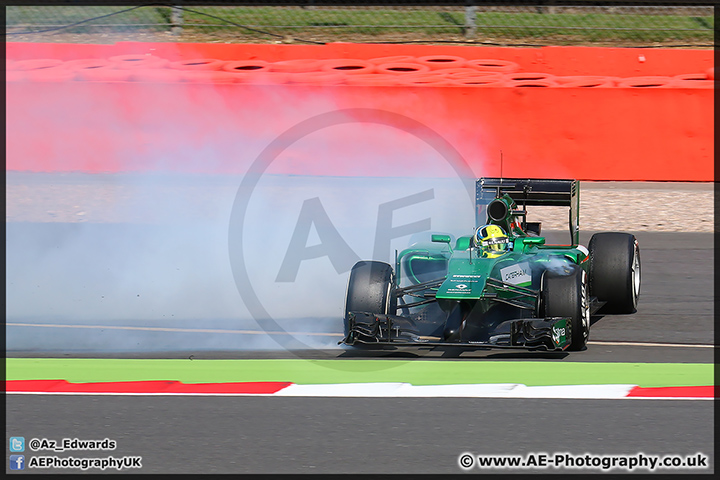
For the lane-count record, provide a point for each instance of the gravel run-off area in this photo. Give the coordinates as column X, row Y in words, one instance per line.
column 642, row 206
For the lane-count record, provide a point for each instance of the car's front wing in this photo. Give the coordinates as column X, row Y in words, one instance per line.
column 552, row 333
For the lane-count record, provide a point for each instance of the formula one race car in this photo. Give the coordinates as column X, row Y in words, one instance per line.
column 501, row 287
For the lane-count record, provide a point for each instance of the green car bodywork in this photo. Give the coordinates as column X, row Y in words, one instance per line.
column 467, row 273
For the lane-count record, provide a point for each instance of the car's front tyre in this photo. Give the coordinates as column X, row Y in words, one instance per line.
column 567, row 295
column 370, row 289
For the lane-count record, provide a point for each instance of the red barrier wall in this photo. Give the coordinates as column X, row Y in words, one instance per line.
column 586, row 133
column 621, row 62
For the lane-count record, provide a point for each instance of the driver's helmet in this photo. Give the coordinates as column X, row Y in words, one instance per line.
column 492, row 240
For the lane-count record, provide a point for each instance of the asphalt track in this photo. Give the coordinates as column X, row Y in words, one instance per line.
column 359, row 435
column 423, row 435
column 675, row 307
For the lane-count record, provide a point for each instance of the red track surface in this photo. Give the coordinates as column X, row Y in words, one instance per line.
column 152, row 386
column 705, row 391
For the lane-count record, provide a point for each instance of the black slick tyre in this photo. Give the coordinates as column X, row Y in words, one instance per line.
column 370, row 289
column 567, row 295
column 615, row 271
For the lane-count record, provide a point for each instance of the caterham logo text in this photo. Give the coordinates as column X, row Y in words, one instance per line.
column 518, row 274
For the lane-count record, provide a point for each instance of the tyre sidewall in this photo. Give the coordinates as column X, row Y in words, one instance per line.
column 370, row 289
column 612, row 257
column 567, row 295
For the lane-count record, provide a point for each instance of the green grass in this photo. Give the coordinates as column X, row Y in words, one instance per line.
column 40, row 18
column 420, row 372
column 329, row 22
column 595, row 27
column 591, row 27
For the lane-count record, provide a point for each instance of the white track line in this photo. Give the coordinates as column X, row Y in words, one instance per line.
column 497, row 390
column 169, row 329
column 317, row 334
column 648, row 344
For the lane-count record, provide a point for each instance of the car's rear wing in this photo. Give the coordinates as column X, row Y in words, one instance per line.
column 531, row 192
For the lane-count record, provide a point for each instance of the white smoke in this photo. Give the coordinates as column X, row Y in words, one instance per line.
column 152, row 251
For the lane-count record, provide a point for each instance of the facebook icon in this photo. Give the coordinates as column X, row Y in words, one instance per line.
column 17, row 462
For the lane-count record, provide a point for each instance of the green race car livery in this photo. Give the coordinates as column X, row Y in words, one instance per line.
column 500, row 287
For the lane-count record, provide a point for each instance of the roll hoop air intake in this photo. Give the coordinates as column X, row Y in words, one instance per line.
column 498, row 210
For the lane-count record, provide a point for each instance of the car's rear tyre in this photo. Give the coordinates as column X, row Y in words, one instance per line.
column 615, row 271
column 370, row 289
column 567, row 295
